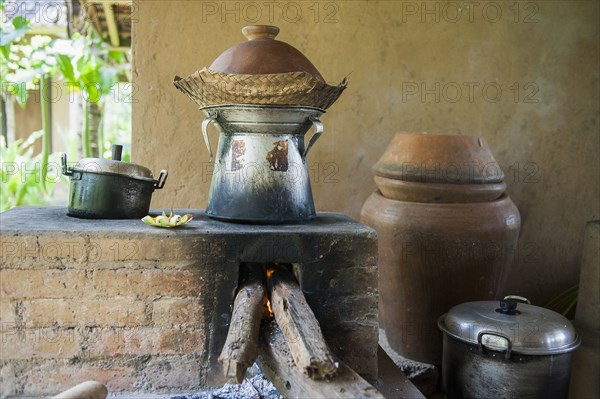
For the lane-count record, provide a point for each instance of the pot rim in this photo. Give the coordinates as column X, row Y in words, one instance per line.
column 260, row 106
column 144, row 179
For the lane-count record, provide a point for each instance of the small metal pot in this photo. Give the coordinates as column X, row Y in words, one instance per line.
column 506, row 351
column 110, row 189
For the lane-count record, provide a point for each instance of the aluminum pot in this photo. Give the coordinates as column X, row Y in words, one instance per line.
column 110, row 189
column 503, row 350
column 260, row 173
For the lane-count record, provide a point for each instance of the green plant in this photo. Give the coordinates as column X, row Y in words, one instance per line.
column 87, row 64
column 20, row 174
column 28, row 62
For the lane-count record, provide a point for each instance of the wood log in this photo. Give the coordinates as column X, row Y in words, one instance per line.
column 85, row 390
column 299, row 326
column 276, row 362
column 241, row 346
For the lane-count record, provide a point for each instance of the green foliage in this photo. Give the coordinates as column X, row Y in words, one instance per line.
column 8, row 35
column 86, row 63
column 117, row 122
column 20, row 174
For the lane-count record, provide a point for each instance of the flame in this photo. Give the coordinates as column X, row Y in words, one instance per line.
column 270, row 269
column 269, row 308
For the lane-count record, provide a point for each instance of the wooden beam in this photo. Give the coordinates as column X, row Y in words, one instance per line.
column 111, row 24
column 277, row 364
column 89, row 8
column 122, row 2
column 300, row 326
column 241, row 346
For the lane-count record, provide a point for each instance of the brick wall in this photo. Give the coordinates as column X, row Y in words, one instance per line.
column 74, row 308
column 143, row 309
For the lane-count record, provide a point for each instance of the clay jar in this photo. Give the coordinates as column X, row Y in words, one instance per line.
column 447, row 234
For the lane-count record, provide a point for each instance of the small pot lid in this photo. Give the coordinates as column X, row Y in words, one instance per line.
column 262, row 54
column 113, row 166
column 525, row 329
column 439, row 158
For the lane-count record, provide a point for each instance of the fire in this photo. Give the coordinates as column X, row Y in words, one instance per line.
column 269, row 308
column 270, row 269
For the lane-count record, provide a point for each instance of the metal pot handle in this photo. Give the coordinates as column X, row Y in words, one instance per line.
column 162, row 178
column 518, row 298
column 211, row 117
column 318, row 131
column 63, row 162
column 496, row 334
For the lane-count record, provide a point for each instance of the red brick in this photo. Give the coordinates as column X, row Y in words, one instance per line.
column 61, row 248
column 113, row 312
column 41, row 343
column 180, row 311
column 8, row 312
column 173, row 372
column 16, row 250
column 53, row 378
column 8, row 376
column 143, row 341
column 42, row 283
column 147, row 283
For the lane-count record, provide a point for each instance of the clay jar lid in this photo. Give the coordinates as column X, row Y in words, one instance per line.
column 262, row 54
column 439, row 168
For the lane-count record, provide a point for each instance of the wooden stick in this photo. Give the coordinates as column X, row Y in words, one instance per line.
column 277, row 364
column 300, row 326
column 85, row 390
column 241, row 346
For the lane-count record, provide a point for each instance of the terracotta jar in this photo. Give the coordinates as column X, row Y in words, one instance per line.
column 447, row 234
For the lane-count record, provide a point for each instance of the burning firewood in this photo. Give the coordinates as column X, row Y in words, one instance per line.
column 241, row 346
column 277, row 364
column 299, row 326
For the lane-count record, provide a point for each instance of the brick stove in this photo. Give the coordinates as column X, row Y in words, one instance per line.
column 144, row 309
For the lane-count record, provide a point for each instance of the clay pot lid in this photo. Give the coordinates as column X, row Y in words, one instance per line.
column 262, row 54
column 434, row 158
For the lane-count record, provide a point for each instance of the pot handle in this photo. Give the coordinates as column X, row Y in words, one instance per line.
column 65, row 168
column 211, row 117
column 162, row 178
column 518, row 298
column 496, row 334
column 318, row 131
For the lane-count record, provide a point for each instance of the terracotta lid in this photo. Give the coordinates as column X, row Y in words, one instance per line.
column 432, row 158
column 262, row 54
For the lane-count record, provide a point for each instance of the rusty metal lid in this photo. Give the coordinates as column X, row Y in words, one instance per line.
column 439, row 158
column 510, row 326
column 262, row 54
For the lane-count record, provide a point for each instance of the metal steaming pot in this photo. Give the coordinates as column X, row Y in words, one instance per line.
column 260, row 173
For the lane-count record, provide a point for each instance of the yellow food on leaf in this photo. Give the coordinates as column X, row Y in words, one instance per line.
column 167, row 221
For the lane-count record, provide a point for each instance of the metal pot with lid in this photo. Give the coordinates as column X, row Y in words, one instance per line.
column 506, row 350
column 263, row 96
column 110, row 189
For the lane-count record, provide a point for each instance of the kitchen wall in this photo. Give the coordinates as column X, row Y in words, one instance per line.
column 524, row 75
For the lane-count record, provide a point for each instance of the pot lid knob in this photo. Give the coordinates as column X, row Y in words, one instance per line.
column 508, row 306
column 117, row 151
column 254, row 32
